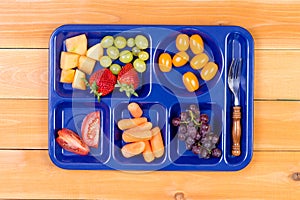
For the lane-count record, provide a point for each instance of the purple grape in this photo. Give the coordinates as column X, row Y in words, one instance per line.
column 183, row 116
column 207, row 144
column 216, row 152
column 188, row 146
column 203, row 153
column 181, row 136
column 176, row 121
column 193, row 107
column 196, row 149
column 204, row 118
column 182, row 129
column 215, row 139
column 189, row 140
column 205, row 127
column 198, row 136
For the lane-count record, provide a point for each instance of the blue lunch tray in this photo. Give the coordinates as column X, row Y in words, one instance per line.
column 162, row 97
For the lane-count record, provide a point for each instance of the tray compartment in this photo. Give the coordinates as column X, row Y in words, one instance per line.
column 70, row 115
column 172, row 81
column 155, row 113
column 65, row 90
column 179, row 155
column 238, row 47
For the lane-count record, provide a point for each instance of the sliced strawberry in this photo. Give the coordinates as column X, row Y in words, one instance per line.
column 102, row 82
column 128, row 80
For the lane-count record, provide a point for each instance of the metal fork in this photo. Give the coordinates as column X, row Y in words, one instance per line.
column 234, row 85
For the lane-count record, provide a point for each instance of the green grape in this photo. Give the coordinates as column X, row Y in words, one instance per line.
column 126, row 56
column 139, row 65
column 135, row 51
column 143, row 55
column 107, row 41
column 113, row 52
column 105, row 61
column 141, row 42
column 130, row 42
column 120, row 42
column 115, row 69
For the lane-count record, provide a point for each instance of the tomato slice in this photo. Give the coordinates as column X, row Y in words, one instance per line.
column 70, row 141
column 90, row 129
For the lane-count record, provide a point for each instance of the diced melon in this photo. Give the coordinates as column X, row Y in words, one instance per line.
column 67, row 75
column 95, row 52
column 68, row 60
column 77, row 44
column 78, row 81
column 86, row 64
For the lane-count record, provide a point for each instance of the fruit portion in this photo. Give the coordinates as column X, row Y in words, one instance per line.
column 190, row 81
column 77, row 44
column 193, row 128
column 109, row 52
column 67, row 76
column 199, row 61
column 86, row 64
column 95, row 52
column 78, row 81
column 128, row 80
column 68, row 60
column 70, row 141
column 90, row 129
column 101, row 83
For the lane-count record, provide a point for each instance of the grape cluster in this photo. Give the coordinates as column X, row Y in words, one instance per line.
column 194, row 129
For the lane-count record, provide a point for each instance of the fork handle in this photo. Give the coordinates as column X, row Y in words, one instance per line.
column 236, row 131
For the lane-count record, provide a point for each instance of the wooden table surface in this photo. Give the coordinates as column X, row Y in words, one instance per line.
column 26, row 171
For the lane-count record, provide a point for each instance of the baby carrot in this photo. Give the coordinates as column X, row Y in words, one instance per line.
column 135, row 110
column 136, row 136
column 147, row 153
column 124, row 124
column 133, row 149
column 157, row 142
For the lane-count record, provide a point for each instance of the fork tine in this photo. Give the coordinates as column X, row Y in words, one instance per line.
column 231, row 69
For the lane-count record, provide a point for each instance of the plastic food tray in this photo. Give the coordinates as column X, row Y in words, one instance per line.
column 162, row 97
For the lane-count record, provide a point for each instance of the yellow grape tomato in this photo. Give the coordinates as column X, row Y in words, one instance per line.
column 180, row 59
column 199, row 61
column 165, row 62
column 182, row 42
column 209, row 71
column 190, row 81
column 196, row 44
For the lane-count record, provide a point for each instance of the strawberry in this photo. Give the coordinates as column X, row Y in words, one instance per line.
column 102, row 82
column 128, row 80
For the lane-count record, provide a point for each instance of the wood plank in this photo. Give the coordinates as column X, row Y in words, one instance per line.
column 24, row 73
column 31, row 175
column 274, row 24
column 276, row 74
column 25, row 122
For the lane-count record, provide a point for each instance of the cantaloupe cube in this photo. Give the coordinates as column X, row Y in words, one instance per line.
column 95, row 52
column 68, row 60
column 78, row 81
column 77, row 44
column 86, row 64
column 67, row 75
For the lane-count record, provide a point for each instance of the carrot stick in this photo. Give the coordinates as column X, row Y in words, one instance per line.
column 140, row 127
column 135, row 110
column 133, row 149
column 124, row 124
column 147, row 153
column 136, row 136
column 157, row 143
